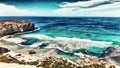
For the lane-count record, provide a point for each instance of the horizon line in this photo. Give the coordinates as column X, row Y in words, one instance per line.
column 60, row 16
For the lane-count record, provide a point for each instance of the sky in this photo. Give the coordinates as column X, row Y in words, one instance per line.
column 102, row 8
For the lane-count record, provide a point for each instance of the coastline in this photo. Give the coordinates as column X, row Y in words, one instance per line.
column 51, row 46
column 50, row 50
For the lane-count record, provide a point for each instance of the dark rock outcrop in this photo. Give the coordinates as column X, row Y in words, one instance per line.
column 31, row 52
column 8, row 27
column 111, row 54
column 3, row 50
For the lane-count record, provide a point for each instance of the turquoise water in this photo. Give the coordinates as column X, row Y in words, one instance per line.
column 93, row 28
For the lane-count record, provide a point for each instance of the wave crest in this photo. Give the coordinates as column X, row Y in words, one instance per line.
column 68, row 44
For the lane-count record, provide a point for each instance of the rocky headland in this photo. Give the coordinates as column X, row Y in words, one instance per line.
column 8, row 27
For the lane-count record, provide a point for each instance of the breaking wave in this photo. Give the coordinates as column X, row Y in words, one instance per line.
column 67, row 44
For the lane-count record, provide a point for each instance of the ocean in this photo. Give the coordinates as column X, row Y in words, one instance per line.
column 75, row 34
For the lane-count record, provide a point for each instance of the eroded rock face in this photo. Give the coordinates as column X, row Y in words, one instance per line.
column 111, row 54
column 8, row 27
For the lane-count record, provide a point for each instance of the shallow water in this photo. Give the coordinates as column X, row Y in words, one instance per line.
column 100, row 29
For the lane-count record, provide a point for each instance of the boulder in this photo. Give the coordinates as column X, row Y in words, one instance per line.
column 31, row 52
column 3, row 50
column 8, row 27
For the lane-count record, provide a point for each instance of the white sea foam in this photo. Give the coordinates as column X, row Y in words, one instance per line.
column 36, row 44
column 38, row 36
column 69, row 44
column 14, row 39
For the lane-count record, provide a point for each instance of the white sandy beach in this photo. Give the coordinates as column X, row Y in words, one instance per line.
column 13, row 65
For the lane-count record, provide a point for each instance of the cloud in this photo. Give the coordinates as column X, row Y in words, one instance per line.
column 10, row 10
column 87, row 4
column 90, row 7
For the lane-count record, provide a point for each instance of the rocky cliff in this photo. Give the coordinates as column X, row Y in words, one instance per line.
column 8, row 27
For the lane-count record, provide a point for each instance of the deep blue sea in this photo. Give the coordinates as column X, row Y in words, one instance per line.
column 105, row 29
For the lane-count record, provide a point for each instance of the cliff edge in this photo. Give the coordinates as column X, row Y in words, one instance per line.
column 8, row 27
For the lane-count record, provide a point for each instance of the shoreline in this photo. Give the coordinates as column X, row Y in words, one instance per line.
column 28, row 58
column 50, row 49
column 80, row 55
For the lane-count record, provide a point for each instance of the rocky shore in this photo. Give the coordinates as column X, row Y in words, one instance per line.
column 49, row 62
column 28, row 56
column 9, row 27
